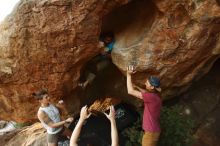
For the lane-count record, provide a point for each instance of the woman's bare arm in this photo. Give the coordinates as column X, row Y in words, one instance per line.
column 76, row 132
column 114, row 132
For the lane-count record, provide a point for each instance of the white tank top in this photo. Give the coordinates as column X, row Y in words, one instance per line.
column 53, row 113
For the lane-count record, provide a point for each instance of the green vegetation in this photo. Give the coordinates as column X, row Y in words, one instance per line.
column 134, row 134
column 176, row 129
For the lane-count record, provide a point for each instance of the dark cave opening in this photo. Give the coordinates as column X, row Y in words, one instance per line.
column 109, row 82
column 130, row 22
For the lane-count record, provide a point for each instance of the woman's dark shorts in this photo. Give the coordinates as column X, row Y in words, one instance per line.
column 53, row 138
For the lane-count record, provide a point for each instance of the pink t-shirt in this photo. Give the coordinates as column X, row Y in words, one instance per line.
column 151, row 117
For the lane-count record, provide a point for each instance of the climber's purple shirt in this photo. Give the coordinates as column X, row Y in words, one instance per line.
column 152, row 107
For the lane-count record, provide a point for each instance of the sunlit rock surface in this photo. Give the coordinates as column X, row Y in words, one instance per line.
column 33, row 135
column 176, row 40
column 45, row 43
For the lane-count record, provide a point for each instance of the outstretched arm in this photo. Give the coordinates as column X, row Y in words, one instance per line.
column 114, row 132
column 45, row 119
column 130, row 87
column 76, row 132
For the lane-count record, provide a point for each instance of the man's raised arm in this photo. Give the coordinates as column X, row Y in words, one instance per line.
column 130, row 88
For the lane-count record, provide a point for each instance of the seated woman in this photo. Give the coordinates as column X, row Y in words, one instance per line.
column 84, row 115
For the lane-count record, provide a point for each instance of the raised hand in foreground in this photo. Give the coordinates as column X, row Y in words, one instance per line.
column 84, row 114
column 114, row 132
column 111, row 115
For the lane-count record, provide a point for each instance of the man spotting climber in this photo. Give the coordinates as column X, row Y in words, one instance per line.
column 152, row 107
column 49, row 116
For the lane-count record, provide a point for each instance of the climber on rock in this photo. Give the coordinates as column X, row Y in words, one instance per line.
column 89, row 74
column 49, row 116
column 108, row 41
column 100, row 61
column 152, row 106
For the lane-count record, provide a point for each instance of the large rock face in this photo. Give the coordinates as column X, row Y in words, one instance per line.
column 45, row 43
column 178, row 41
column 34, row 135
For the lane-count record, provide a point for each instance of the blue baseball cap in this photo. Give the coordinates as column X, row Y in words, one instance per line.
column 154, row 81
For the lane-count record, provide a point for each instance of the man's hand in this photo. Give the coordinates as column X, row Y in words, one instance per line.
column 130, row 69
column 111, row 115
column 84, row 114
column 69, row 120
column 60, row 102
column 101, row 44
